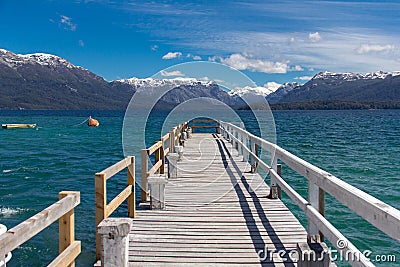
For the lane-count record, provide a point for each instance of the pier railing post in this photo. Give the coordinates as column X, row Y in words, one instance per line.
column 172, row 165
column 144, row 175
column 236, row 135
column 245, row 154
column 66, row 226
column 313, row 253
column 100, row 195
column 254, row 150
column 231, row 136
column 162, row 157
column 275, row 189
column 171, row 141
column 157, row 157
column 114, row 234
column 131, row 181
column 316, row 197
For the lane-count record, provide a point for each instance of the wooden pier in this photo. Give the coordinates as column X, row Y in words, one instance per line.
column 215, row 209
column 212, row 209
column 217, row 212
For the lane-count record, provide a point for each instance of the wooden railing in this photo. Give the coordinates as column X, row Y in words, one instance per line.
column 210, row 124
column 104, row 210
column 379, row 214
column 63, row 211
column 160, row 151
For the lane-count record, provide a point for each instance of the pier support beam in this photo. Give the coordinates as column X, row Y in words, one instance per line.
column 114, row 241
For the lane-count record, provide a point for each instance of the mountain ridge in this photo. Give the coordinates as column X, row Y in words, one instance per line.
column 45, row 81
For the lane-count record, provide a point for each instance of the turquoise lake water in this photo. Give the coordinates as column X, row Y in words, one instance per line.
column 362, row 147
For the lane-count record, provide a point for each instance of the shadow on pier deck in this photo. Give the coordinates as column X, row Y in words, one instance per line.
column 217, row 212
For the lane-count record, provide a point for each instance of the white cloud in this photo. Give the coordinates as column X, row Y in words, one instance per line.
column 154, row 47
column 175, row 73
column 241, row 62
column 194, row 57
column 66, row 23
column 213, row 59
column 314, row 37
column 172, row 55
column 81, row 43
column 297, row 68
column 304, row 78
column 292, row 39
column 367, row 48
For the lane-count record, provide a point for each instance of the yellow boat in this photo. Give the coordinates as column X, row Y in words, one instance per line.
column 17, row 126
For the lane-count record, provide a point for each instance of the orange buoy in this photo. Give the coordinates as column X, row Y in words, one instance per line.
column 92, row 122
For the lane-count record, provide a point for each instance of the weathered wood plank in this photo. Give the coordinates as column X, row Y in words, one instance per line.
column 155, row 167
column 214, row 206
column 154, row 147
column 121, row 197
column 24, row 231
column 67, row 257
column 117, row 167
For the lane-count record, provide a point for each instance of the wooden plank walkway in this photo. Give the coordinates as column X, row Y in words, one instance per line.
column 217, row 214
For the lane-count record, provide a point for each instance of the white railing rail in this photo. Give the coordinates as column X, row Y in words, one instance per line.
column 8, row 256
column 379, row 214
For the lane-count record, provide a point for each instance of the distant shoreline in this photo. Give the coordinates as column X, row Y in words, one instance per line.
column 308, row 105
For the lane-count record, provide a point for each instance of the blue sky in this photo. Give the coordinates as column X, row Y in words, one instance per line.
column 268, row 40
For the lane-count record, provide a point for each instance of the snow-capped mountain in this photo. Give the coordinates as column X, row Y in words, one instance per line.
column 356, row 87
column 179, row 90
column 44, row 81
column 265, row 90
column 283, row 90
column 175, row 82
column 349, row 76
column 17, row 60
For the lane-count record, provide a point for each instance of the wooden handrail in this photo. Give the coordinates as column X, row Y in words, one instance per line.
column 62, row 210
column 216, row 126
column 104, row 210
column 155, row 168
column 154, row 147
column 160, row 151
column 204, row 126
column 165, row 137
column 381, row 215
column 116, row 168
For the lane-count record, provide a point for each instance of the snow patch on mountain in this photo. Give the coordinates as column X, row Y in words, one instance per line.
column 350, row 76
column 265, row 90
column 175, row 82
column 46, row 59
column 16, row 60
